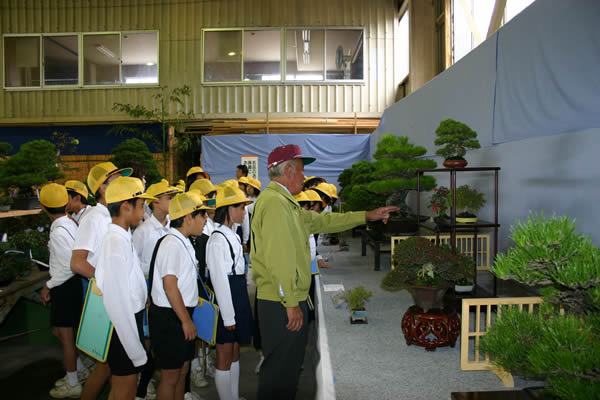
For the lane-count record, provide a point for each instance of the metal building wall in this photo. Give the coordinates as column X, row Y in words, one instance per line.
column 180, row 24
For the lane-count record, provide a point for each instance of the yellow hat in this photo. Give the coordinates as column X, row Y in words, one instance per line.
column 54, row 195
column 197, row 170
column 311, row 195
column 229, row 182
column 204, row 186
column 306, row 179
column 186, row 203
column 125, row 188
column 180, row 185
column 101, row 172
column 255, row 183
column 333, row 190
column 228, row 196
column 323, row 188
column 301, row 197
column 161, row 188
column 244, row 179
column 77, row 187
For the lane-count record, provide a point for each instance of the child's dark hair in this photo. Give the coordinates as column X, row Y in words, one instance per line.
column 243, row 168
column 74, row 194
column 191, row 179
column 56, row 210
column 115, row 208
column 255, row 191
column 221, row 215
column 178, row 223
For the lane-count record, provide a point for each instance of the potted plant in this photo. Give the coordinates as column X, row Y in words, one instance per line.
column 559, row 342
column 5, row 203
column 34, row 164
column 439, row 204
column 356, row 299
column 456, row 138
column 387, row 181
column 468, row 202
column 426, row 270
column 134, row 153
column 34, row 244
column 12, row 265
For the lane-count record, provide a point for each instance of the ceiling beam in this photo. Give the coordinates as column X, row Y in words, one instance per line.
column 471, row 22
column 497, row 16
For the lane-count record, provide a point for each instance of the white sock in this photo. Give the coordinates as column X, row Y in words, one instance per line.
column 235, row 380
column 223, row 383
column 72, row 378
column 80, row 364
column 196, row 364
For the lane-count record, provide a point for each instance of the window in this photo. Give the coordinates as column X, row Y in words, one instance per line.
column 139, row 57
column 61, row 60
column 21, row 61
column 344, row 54
column 310, row 54
column 80, row 59
column 403, row 46
column 222, row 56
column 262, row 55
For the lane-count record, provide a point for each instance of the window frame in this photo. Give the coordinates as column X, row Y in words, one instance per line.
column 283, row 57
column 79, row 50
column 23, row 88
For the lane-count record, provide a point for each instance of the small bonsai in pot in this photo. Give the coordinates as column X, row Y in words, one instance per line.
column 34, row 164
column 426, row 270
column 456, row 138
column 5, row 203
column 439, row 204
column 468, row 202
column 356, row 299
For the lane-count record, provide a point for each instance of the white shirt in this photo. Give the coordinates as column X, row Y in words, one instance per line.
column 79, row 215
column 91, row 232
column 176, row 256
column 209, row 227
column 145, row 237
column 246, row 223
column 124, row 292
column 147, row 211
column 62, row 237
column 313, row 246
column 219, row 263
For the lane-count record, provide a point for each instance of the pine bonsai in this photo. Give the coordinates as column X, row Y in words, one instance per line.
column 565, row 349
column 387, row 180
column 135, row 154
column 456, row 138
column 33, row 165
column 357, row 297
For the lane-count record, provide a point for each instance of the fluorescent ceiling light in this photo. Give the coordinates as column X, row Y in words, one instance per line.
column 105, row 51
column 149, row 64
column 148, row 79
column 231, row 53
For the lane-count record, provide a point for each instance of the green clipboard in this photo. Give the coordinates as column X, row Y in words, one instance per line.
column 95, row 329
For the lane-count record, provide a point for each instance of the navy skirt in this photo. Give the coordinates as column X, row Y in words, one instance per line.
column 244, row 324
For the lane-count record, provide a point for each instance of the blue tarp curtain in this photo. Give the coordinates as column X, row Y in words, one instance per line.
column 548, row 74
column 334, row 153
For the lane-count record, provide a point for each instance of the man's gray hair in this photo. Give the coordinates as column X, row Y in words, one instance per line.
column 278, row 170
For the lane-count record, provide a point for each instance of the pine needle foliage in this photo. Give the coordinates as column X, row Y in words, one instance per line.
column 134, row 153
column 456, row 138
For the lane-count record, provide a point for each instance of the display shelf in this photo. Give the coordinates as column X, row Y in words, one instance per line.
column 19, row 213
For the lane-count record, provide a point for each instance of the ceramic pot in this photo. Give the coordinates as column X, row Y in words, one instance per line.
column 463, row 288
column 455, row 163
column 358, row 317
column 428, row 297
column 5, row 208
column 466, row 220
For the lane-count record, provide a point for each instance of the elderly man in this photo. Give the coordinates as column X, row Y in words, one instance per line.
column 280, row 257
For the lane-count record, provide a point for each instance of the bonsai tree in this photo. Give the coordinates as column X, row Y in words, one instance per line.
column 418, row 261
column 135, row 154
column 439, row 201
column 563, row 348
column 357, row 297
column 456, row 138
column 5, row 148
column 468, row 201
column 389, row 178
column 34, row 164
column 6, row 201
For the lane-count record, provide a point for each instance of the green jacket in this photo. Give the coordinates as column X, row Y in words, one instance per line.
column 280, row 250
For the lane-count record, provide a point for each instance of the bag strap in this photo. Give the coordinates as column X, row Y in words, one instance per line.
column 230, row 251
column 152, row 260
column 193, row 262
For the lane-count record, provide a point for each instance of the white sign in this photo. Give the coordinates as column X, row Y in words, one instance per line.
column 252, row 163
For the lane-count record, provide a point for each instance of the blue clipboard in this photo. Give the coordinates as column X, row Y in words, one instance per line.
column 205, row 317
column 314, row 268
column 95, row 328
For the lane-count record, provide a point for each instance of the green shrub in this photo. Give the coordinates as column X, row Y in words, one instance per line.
column 357, row 297
column 456, row 138
column 468, row 200
column 135, row 154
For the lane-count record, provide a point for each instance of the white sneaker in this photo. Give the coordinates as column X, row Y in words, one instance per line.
column 81, row 377
column 151, row 389
column 66, row 391
column 197, row 379
column 260, row 363
column 192, row 396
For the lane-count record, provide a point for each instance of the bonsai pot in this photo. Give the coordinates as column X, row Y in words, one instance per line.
column 359, row 317
column 5, row 208
column 463, row 288
column 26, row 203
column 460, row 163
column 428, row 297
column 466, row 218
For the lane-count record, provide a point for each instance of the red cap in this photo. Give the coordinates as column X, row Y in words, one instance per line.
column 285, row 153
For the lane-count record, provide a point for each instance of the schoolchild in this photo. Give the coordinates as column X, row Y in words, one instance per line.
column 252, row 191
column 324, row 190
column 318, row 206
column 89, row 236
column 145, row 237
column 63, row 291
column 123, row 286
column 312, row 181
column 174, row 294
column 226, row 266
column 194, row 174
column 77, row 206
column 241, row 170
column 243, row 183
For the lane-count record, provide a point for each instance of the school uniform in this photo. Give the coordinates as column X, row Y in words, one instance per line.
column 79, row 215
column 124, row 293
column 65, row 287
column 145, row 237
column 175, row 256
column 209, row 227
column 226, row 266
